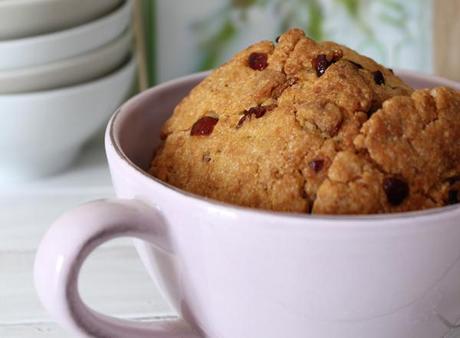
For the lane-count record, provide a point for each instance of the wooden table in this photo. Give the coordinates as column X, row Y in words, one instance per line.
column 113, row 281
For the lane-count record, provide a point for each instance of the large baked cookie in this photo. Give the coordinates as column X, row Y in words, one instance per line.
column 274, row 126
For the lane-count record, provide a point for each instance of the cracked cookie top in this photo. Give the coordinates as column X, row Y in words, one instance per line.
column 271, row 128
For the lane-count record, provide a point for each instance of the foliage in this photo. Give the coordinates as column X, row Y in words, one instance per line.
column 220, row 29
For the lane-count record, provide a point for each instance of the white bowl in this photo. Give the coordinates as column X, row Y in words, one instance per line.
column 78, row 69
column 47, row 48
column 22, row 18
column 41, row 133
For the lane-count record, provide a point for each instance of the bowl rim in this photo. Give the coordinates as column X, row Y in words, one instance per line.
column 69, row 32
column 130, row 62
column 71, row 62
column 362, row 220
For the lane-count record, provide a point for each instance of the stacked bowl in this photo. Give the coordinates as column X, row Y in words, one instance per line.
column 64, row 68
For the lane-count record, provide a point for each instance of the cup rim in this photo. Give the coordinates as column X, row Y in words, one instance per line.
column 378, row 218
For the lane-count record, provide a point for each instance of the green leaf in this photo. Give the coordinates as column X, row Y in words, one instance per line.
column 214, row 46
column 352, row 7
column 315, row 25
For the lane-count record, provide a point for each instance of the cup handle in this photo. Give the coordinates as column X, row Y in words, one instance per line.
column 64, row 249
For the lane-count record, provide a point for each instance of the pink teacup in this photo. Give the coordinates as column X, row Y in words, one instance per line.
column 233, row 272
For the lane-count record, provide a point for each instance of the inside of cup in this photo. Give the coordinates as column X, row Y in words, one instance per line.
column 137, row 129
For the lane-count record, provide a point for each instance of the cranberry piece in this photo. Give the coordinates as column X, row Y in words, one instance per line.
column 204, row 126
column 258, row 111
column 396, row 190
column 378, row 77
column 320, row 64
column 453, row 197
column 316, row 165
column 258, row 61
column 241, row 121
column 337, row 55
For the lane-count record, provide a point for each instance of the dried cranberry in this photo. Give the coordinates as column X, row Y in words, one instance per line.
column 316, row 165
column 204, row 126
column 241, row 121
column 378, row 77
column 320, row 64
column 453, row 197
column 258, row 61
column 258, row 111
column 396, row 190
column 337, row 55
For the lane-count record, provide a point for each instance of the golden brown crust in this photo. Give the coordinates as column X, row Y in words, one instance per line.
column 415, row 139
column 280, row 160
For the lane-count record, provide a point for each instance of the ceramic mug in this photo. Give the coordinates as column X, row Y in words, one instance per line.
column 233, row 272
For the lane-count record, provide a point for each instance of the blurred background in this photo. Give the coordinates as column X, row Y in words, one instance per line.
column 187, row 36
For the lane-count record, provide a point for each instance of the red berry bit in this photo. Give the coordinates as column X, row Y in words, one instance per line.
column 258, row 61
column 204, row 126
column 337, row 55
column 316, row 165
column 396, row 190
column 257, row 112
column 321, row 63
column 378, row 77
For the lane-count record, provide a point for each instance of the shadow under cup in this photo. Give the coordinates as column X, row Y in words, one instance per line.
column 244, row 273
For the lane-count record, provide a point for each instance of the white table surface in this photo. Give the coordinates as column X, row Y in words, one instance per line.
column 26, row 211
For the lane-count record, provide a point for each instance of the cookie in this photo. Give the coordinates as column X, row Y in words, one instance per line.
column 270, row 128
column 407, row 158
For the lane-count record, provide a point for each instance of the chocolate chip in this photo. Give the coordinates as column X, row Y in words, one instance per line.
column 258, row 61
column 378, row 77
column 391, row 70
column 453, row 197
column 357, row 65
column 204, row 126
column 316, row 165
column 320, row 64
column 396, row 190
column 278, row 38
